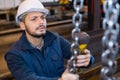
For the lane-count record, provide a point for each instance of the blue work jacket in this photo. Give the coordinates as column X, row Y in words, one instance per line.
column 29, row 63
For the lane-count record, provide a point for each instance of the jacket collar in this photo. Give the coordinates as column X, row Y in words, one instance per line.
column 49, row 37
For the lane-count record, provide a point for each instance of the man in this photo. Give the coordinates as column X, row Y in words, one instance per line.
column 39, row 54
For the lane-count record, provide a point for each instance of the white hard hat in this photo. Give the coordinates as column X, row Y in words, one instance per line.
column 30, row 6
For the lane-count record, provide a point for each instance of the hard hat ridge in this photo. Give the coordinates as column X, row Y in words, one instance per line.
column 30, row 6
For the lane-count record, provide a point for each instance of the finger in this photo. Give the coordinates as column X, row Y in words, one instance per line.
column 66, row 71
column 74, row 77
column 82, row 64
column 83, row 60
column 77, row 77
column 70, row 76
column 87, row 51
column 81, row 57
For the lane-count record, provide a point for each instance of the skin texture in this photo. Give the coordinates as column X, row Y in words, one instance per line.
column 34, row 26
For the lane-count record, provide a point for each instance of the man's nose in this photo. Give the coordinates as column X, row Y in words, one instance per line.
column 40, row 21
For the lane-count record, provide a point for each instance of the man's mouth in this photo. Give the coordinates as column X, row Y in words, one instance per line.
column 41, row 27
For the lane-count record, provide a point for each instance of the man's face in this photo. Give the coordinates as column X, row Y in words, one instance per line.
column 35, row 24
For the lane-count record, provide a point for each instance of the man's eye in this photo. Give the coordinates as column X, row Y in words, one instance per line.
column 33, row 19
column 43, row 17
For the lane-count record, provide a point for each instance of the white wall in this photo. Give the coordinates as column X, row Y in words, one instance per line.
column 8, row 4
column 48, row 0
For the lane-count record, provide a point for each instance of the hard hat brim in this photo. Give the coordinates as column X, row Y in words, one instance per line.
column 45, row 11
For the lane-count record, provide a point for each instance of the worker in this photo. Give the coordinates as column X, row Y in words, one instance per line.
column 39, row 53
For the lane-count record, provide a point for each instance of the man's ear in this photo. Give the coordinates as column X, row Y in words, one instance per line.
column 22, row 25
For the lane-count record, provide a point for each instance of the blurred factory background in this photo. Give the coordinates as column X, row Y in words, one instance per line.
column 60, row 21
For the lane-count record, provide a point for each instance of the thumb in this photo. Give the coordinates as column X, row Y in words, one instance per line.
column 66, row 71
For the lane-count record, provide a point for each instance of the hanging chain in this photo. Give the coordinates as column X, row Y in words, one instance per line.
column 109, row 40
column 77, row 18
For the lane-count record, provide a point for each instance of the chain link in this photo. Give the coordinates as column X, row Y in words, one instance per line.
column 77, row 18
column 109, row 40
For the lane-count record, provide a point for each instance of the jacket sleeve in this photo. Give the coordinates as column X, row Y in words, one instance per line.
column 92, row 60
column 20, row 70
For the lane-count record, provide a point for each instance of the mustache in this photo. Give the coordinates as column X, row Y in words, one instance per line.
column 41, row 26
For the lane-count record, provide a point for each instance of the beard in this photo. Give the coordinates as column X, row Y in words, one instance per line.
column 33, row 34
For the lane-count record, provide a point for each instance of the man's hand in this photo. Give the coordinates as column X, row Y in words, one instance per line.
column 83, row 60
column 69, row 76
